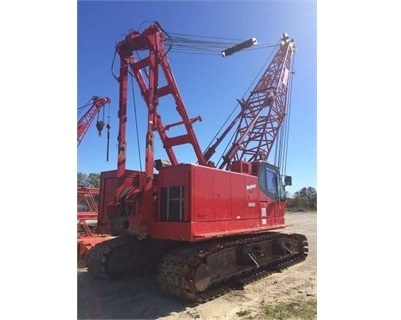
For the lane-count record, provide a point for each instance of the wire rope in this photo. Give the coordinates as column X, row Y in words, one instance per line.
column 81, row 110
column 288, row 117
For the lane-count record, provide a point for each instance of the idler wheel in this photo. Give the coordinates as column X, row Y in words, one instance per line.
column 202, row 277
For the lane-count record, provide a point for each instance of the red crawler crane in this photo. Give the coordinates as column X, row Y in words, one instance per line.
column 199, row 226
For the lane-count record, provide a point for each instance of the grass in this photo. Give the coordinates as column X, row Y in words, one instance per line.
column 303, row 309
column 243, row 313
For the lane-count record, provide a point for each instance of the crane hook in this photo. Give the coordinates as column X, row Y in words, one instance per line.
column 100, row 126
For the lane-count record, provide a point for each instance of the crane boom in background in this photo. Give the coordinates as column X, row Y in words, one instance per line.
column 85, row 121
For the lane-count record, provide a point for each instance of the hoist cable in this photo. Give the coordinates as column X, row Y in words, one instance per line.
column 168, row 37
column 145, row 69
column 112, row 64
column 108, row 133
column 281, row 147
column 108, row 143
column 207, row 37
column 140, row 25
column 81, row 110
column 288, row 117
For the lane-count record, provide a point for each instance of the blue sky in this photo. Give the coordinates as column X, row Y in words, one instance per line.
column 209, row 84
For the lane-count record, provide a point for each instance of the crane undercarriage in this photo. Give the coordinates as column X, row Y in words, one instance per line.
column 199, row 271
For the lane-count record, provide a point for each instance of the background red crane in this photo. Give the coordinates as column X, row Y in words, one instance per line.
column 87, row 204
column 85, row 121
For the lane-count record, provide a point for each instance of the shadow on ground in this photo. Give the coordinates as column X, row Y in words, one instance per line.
column 134, row 297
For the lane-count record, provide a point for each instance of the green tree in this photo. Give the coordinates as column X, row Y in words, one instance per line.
column 82, row 179
column 306, row 197
column 92, row 180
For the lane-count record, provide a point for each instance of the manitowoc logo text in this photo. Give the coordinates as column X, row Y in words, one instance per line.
column 250, row 187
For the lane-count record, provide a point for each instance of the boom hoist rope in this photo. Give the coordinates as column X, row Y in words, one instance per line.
column 82, row 109
column 213, row 47
column 196, row 44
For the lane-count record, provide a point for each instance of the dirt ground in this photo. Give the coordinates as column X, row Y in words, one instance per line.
column 140, row 298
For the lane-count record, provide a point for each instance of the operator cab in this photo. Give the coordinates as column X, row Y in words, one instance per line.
column 270, row 181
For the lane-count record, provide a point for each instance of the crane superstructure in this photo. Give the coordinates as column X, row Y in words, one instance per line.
column 196, row 225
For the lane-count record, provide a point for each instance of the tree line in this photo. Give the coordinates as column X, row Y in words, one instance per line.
column 304, row 199
column 91, row 181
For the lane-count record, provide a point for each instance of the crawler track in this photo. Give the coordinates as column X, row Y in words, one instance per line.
column 203, row 272
column 199, row 271
column 125, row 255
column 103, row 259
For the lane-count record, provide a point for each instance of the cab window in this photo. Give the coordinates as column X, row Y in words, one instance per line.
column 269, row 182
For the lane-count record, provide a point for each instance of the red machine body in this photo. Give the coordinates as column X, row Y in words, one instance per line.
column 190, row 202
column 197, row 202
